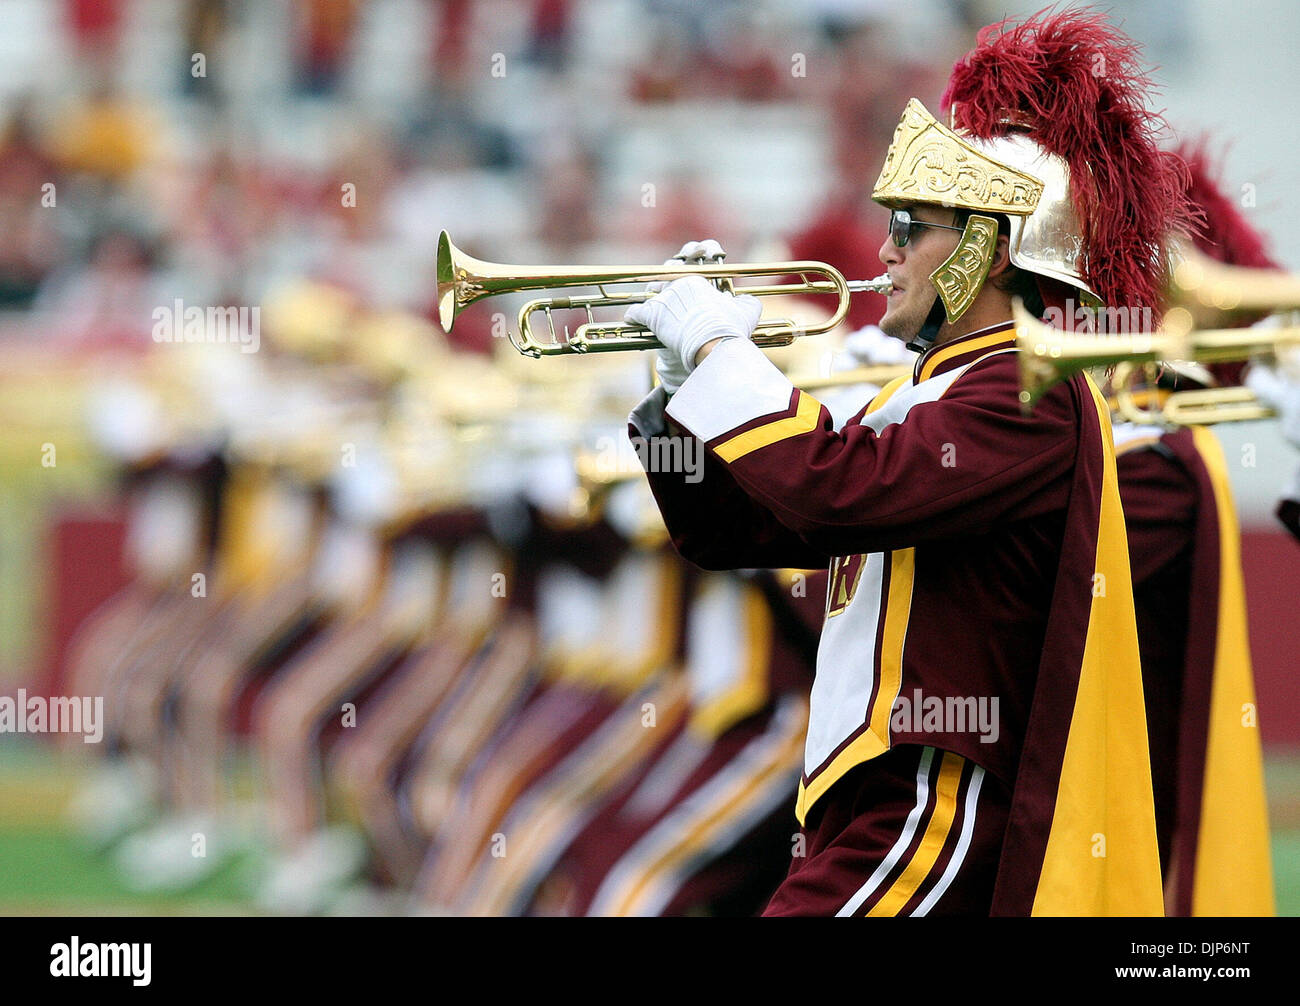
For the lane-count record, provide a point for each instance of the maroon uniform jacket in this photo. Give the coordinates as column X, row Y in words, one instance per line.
column 965, row 542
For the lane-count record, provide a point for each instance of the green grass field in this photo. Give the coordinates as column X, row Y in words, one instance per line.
column 44, row 869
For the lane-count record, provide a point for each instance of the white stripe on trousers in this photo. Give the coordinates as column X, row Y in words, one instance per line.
column 904, row 840
column 959, row 853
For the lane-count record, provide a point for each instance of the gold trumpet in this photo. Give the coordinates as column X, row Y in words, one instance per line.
column 462, row 280
column 1212, row 292
column 1201, row 292
column 1201, row 407
column 1048, row 355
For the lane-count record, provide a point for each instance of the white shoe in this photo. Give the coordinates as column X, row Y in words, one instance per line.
column 174, row 855
column 115, row 800
column 306, row 880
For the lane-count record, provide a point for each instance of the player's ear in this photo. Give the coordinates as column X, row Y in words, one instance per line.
column 1001, row 256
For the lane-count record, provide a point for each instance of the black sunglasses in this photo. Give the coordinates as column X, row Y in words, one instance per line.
column 901, row 226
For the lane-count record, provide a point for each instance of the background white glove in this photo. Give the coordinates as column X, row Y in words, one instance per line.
column 1281, row 392
column 870, row 347
column 690, row 312
column 668, row 364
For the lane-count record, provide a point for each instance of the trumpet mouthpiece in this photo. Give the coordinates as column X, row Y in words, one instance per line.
column 881, row 284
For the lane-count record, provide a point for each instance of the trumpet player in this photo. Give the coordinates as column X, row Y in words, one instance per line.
column 977, row 741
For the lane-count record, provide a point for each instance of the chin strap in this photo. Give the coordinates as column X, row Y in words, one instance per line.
column 924, row 339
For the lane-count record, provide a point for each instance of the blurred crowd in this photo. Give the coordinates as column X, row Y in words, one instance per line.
column 214, row 150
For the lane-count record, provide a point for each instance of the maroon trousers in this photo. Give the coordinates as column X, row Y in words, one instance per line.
column 916, row 831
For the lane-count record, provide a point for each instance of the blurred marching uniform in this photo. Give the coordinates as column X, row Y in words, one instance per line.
column 127, row 650
column 169, row 531
column 367, row 768
column 949, row 517
column 133, row 651
column 1207, row 765
column 512, row 770
column 514, row 717
column 305, row 704
column 705, row 826
column 279, row 606
column 266, row 601
column 1184, row 546
column 606, row 650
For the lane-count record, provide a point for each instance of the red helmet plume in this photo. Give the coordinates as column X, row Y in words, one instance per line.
column 1074, row 83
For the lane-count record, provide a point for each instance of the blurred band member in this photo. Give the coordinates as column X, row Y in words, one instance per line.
column 1184, row 542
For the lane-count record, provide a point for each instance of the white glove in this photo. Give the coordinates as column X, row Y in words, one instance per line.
column 692, row 253
column 668, row 365
column 707, row 250
column 1280, row 392
column 691, row 312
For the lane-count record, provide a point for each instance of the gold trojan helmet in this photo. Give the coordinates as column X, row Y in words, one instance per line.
column 929, row 163
column 1025, row 106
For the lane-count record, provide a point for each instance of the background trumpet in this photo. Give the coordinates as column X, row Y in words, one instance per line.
column 1048, row 355
column 879, row 374
column 1201, row 292
column 1213, row 294
column 1199, row 407
column 463, row 279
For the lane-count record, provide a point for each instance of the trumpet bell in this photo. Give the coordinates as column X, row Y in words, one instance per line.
column 1214, row 293
column 448, row 307
column 463, row 279
column 1048, row 355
